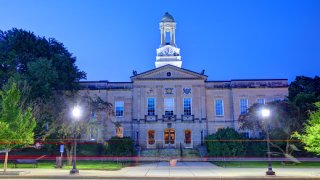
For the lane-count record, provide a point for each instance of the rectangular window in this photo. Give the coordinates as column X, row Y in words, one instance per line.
column 187, row 104
column 277, row 99
column 151, row 106
column 243, row 106
column 119, row 108
column 219, row 107
column 168, row 106
column 246, row 134
column 261, row 101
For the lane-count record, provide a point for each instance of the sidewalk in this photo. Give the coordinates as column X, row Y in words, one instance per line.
column 189, row 170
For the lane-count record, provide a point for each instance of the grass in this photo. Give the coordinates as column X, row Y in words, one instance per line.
column 262, row 164
column 81, row 165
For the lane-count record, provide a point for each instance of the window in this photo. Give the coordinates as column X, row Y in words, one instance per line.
column 246, row 134
column 261, row 134
column 151, row 139
column 187, row 103
column 169, row 136
column 168, row 106
column 261, row 101
column 243, row 106
column 93, row 133
column 187, row 136
column 119, row 108
column 119, row 132
column 219, row 107
column 278, row 99
column 151, row 106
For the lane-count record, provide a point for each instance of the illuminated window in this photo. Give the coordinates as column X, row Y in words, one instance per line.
column 151, row 106
column 187, row 136
column 151, row 137
column 261, row 101
column 187, row 104
column 168, row 106
column 119, row 108
column 219, row 107
column 169, row 136
column 119, row 132
column 243, row 106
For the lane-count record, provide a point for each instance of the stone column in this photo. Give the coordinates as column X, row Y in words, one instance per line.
column 159, row 101
column 178, row 98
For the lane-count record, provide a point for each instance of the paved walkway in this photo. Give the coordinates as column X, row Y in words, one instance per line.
column 183, row 170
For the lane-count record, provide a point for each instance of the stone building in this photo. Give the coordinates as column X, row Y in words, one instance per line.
column 171, row 106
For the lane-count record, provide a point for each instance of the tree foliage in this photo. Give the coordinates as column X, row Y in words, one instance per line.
column 94, row 112
column 304, row 92
column 42, row 68
column 39, row 61
column 225, row 142
column 311, row 135
column 284, row 119
column 16, row 124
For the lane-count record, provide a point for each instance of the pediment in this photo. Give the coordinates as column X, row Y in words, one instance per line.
column 168, row 72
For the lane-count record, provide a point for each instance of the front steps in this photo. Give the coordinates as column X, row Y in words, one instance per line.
column 166, row 153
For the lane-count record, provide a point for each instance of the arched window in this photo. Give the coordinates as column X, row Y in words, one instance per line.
column 187, row 136
column 151, row 137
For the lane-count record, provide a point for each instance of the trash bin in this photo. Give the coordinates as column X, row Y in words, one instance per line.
column 173, row 162
column 58, row 162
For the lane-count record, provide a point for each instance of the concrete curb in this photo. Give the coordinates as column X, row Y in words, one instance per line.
column 153, row 177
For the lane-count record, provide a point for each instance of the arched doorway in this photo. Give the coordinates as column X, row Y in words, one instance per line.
column 169, row 137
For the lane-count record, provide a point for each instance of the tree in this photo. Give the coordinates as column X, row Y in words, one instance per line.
column 42, row 68
column 311, row 135
column 37, row 59
column 304, row 92
column 225, row 142
column 283, row 121
column 16, row 124
column 94, row 114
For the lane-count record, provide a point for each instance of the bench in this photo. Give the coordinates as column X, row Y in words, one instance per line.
column 34, row 162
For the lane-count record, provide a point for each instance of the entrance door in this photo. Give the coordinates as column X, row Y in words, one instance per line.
column 169, row 137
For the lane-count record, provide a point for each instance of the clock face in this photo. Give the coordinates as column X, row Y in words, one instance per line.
column 168, row 51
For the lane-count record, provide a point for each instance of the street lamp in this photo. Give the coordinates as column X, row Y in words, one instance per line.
column 76, row 113
column 265, row 114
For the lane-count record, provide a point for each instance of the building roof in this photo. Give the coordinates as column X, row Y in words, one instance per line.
column 167, row 18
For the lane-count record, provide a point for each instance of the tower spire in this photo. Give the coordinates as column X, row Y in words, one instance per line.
column 168, row 53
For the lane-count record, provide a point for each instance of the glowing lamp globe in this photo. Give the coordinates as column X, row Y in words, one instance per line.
column 76, row 112
column 265, row 112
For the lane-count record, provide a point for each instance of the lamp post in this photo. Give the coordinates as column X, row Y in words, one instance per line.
column 76, row 113
column 265, row 114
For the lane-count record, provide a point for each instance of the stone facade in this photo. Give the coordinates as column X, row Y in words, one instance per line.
column 171, row 107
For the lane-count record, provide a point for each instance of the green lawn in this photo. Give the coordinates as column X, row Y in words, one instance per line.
column 88, row 165
column 260, row 164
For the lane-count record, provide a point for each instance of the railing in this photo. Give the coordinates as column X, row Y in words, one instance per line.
column 187, row 117
column 169, row 117
column 151, row 117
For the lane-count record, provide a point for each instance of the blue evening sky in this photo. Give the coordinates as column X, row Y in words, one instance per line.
column 230, row 39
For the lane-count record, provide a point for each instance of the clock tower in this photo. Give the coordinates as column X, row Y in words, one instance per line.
column 168, row 53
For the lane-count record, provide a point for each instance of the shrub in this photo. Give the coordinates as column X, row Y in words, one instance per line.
column 117, row 146
column 90, row 149
column 225, row 142
column 256, row 148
